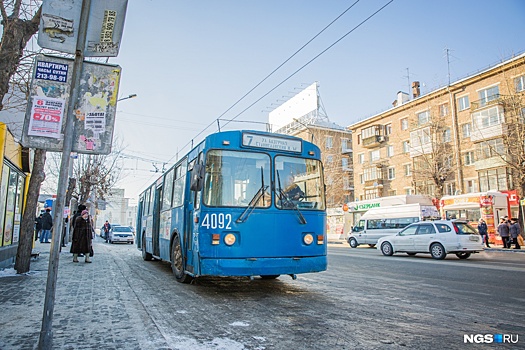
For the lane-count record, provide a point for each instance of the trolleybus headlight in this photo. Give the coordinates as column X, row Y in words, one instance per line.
column 229, row 239
column 308, row 239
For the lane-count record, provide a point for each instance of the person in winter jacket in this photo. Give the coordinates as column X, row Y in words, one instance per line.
column 82, row 237
column 514, row 231
column 483, row 231
column 503, row 231
column 47, row 224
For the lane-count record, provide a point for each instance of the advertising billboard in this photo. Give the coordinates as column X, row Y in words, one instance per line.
column 298, row 106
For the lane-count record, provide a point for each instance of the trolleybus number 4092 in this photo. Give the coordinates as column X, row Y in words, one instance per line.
column 217, row 221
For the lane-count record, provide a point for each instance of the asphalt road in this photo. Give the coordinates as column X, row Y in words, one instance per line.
column 364, row 301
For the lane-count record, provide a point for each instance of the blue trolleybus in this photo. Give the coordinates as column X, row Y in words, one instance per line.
column 241, row 203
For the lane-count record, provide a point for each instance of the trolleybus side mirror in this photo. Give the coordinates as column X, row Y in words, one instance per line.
column 197, row 177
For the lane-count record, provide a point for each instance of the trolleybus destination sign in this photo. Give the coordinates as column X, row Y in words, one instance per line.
column 271, row 142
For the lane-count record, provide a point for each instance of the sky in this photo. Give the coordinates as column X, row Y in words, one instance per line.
column 189, row 62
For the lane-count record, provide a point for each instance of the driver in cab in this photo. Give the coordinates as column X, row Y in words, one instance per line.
column 292, row 190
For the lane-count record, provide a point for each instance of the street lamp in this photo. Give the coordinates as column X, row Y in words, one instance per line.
column 306, row 126
column 125, row 98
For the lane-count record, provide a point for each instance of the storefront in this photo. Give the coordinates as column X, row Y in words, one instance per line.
column 490, row 206
column 14, row 160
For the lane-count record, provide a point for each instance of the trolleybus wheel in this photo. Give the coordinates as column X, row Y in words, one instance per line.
column 145, row 255
column 269, row 277
column 177, row 266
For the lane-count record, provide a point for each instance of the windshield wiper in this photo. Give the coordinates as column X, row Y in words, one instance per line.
column 283, row 196
column 260, row 193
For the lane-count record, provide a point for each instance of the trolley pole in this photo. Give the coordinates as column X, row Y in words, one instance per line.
column 45, row 341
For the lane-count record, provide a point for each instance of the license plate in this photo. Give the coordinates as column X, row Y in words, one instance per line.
column 474, row 238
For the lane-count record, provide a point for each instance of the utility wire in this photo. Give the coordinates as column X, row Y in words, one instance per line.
column 291, row 75
column 265, row 78
column 288, row 59
column 313, row 59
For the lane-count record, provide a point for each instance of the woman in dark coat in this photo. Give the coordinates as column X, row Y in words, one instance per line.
column 82, row 236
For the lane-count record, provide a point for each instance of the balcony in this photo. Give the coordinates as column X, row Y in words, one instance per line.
column 374, row 183
column 373, row 141
column 491, row 101
column 492, row 162
column 346, row 150
column 488, row 132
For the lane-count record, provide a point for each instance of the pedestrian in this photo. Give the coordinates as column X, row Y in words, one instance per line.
column 47, row 225
column 106, row 229
column 82, row 237
column 38, row 226
column 483, row 231
column 514, row 232
column 76, row 214
column 503, row 231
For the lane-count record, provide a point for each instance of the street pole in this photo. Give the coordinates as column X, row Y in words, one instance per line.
column 45, row 341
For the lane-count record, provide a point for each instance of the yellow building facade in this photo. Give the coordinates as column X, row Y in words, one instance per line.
column 450, row 141
column 14, row 168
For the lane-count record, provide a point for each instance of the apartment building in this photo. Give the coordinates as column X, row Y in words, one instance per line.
column 462, row 138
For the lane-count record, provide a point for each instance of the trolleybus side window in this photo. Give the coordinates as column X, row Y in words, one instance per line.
column 180, row 184
column 235, row 178
column 168, row 190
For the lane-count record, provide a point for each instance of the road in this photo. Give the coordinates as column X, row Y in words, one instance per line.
column 364, row 300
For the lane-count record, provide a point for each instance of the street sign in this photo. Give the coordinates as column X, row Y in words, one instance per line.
column 59, row 26
column 95, row 108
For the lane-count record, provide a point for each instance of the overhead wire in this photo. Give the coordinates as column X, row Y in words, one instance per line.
column 291, row 75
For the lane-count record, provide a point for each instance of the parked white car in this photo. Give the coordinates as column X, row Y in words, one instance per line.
column 439, row 238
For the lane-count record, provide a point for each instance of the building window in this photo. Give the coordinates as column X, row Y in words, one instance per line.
column 408, row 169
column 406, row 146
column 468, row 158
column 493, row 180
column 420, row 137
column 447, row 135
column 408, row 191
column 465, row 130
column 450, row 188
column 389, row 151
column 388, row 129
column 361, row 158
column 470, row 186
column 519, row 83
column 488, row 117
column 487, row 95
column 329, row 142
column 329, row 160
column 344, row 163
column 358, row 139
column 361, row 178
column 346, row 183
column 404, row 124
column 391, row 173
column 423, row 118
column 490, row 148
column 463, row 103
column 443, row 109
column 344, row 145
column 372, row 174
column 374, row 156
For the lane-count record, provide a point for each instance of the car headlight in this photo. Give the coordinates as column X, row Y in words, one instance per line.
column 308, row 239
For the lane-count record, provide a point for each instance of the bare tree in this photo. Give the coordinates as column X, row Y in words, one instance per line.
column 95, row 175
column 20, row 21
column 434, row 162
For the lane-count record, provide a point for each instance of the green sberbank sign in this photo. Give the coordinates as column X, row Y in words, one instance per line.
column 366, row 206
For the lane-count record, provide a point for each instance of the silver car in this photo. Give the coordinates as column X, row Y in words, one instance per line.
column 439, row 238
column 121, row 234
